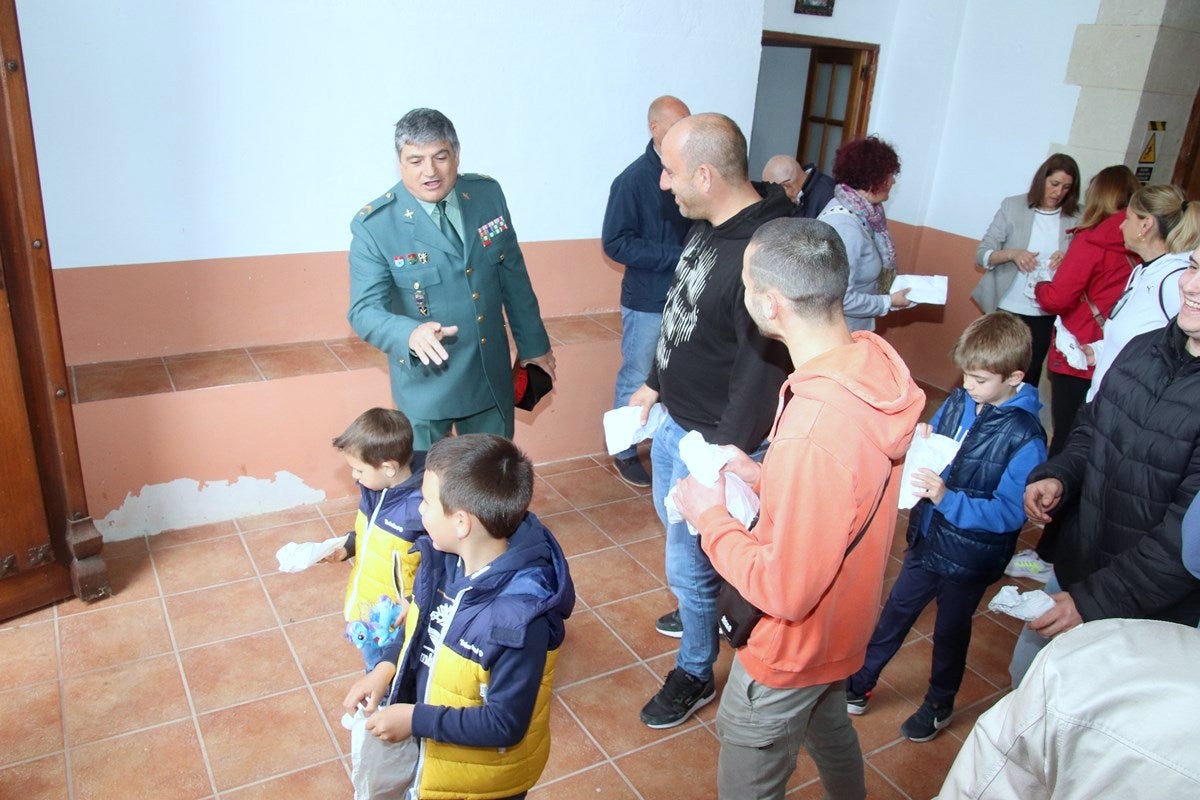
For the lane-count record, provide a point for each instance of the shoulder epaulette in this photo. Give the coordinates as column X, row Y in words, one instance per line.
column 376, row 204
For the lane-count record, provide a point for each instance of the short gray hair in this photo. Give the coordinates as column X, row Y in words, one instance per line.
column 425, row 126
column 805, row 261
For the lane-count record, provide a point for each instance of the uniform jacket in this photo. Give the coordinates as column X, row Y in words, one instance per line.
column 1011, row 227
column 833, row 462
column 643, row 230
column 1133, row 463
column 398, row 252
column 863, row 302
column 387, row 524
column 971, row 534
column 1108, row 709
column 1096, row 267
column 482, row 682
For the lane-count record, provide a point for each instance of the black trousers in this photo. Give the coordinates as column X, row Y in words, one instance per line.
column 1067, row 393
column 1041, row 328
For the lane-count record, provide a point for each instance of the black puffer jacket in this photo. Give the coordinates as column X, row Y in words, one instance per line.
column 1133, row 460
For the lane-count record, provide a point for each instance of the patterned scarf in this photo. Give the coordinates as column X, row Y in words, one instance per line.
column 871, row 215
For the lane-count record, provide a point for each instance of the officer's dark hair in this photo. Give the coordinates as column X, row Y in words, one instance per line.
column 378, row 435
column 425, row 126
column 486, row 476
column 716, row 140
column 805, row 261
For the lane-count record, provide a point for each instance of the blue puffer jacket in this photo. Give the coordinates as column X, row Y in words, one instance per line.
column 481, row 678
column 971, row 534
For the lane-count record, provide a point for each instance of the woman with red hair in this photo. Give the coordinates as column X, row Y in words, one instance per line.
column 865, row 171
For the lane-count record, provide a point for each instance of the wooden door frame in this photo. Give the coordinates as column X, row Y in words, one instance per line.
column 1189, row 149
column 72, row 563
column 858, row 110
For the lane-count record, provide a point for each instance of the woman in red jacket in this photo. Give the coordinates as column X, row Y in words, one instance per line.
column 1087, row 283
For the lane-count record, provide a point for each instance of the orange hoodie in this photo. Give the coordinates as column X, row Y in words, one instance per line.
column 836, row 452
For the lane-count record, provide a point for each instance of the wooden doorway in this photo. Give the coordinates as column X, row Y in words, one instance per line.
column 49, row 547
column 1187, row 165
column 837, row 95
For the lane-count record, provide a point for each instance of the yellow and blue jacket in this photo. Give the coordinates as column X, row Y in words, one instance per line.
column 478, row 661
column 388, row 523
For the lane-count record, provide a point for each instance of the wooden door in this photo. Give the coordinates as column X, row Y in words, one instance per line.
column 49, row 547
column 835, row 103
column 1187, row 165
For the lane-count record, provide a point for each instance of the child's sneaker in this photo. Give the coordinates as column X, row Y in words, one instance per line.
column 1026, row 564
column 856, row 704
column 926, row 722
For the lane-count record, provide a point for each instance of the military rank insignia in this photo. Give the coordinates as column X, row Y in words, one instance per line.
column 492, row 229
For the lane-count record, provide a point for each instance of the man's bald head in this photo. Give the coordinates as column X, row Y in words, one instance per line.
column 664, row 112
column 787, row 172
column 716, row 140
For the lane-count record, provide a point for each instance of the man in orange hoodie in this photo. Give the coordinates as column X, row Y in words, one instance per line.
column 814, row 562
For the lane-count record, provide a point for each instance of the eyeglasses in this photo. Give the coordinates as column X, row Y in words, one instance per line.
column 1124, row 298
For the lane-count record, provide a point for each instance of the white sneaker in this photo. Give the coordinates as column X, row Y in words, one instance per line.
column 1026, row 564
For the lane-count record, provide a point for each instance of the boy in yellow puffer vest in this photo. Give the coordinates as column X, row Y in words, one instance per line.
column 472, row 679
column 378, row 449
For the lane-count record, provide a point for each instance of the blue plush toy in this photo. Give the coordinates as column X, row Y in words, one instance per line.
column 379, row 630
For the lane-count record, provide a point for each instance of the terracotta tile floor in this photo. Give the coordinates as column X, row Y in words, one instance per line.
column 113, row 379
column 210, row 675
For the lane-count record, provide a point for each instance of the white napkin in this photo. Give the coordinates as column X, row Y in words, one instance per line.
column 623, row 427
column 1068, row 345
column 1022, row 605
column 923, row 288
column 704, row 462
column 295, row 557
column 933, row 453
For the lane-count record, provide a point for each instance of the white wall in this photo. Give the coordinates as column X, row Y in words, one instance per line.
column 971, row 93
column 170, row 130
column 779, row 104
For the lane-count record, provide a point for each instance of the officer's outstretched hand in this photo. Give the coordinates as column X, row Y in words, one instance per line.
column 425, row 342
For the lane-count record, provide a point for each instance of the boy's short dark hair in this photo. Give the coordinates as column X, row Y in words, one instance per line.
column 378, row 435
column 486, row 476
column 997, row 342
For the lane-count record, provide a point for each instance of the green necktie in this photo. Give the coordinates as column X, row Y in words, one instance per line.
column 448, row 228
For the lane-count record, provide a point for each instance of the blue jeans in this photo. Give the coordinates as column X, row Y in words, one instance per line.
column 690, row 575
column 1029, row 643
column 639, row 337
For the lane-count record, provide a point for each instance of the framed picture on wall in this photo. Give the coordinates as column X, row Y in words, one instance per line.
column 823, row 8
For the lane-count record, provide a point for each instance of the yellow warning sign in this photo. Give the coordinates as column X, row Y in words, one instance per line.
column 1149, row 152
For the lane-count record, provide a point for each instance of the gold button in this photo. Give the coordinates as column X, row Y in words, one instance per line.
column 388, row 195
column 416, row 285
column 474, row 295
column 479, row 318
column 502, row 256
column 483, row 340
column 469, row 270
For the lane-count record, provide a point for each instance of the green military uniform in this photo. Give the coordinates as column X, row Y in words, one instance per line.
column 405, row 272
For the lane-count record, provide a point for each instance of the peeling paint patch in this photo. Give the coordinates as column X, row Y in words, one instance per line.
column 184, row 503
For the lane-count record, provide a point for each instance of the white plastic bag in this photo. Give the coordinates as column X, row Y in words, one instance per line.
column 381, row 770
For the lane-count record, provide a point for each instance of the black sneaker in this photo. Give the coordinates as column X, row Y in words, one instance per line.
column 632, row 472
column 678, row 699
column 926, row 722
column 856, row 704
column 670, row 625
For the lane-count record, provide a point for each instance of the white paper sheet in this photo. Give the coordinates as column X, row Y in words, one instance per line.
column 704, row 462
column 934, row 452
column 923, row 288
column 293, row 557
column 1022, row 605
column 623, row 427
